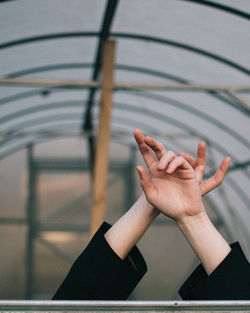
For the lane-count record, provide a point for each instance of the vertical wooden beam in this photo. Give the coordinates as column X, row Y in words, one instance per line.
column 103, row 138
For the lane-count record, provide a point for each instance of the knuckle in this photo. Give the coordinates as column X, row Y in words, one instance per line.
column 180, row 158
column 171, row 153
column 144, row 148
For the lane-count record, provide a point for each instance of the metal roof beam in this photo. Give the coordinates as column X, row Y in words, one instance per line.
column 132, row 36
column 221, row 7
column 103, row 35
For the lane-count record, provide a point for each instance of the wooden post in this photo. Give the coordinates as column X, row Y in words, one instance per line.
column 103, row 137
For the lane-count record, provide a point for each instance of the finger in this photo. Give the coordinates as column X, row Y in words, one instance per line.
column 176, row 163
column 217, row 178
column 156, row 146
column 165, row 160
column 146, row 183
column 145, row 150
column 199, row 172
column 201, row 154
column 188, row 157
column 200, row 163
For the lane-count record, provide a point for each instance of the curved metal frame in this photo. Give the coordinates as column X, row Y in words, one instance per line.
column 160, row 98
column 126, row 107
column 128, row 36
column 217, row 6
column 136, row 69
column 138, row 37
column 69, row 117
column 163, row 117
column 221, row 7
column 230, row 180
column 164, row 99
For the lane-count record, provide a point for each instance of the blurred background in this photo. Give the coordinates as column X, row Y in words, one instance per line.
column 186, row 66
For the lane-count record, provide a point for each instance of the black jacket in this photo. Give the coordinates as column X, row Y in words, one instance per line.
column 99, row 274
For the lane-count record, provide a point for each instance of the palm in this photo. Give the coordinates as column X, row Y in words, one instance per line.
column 175, row 194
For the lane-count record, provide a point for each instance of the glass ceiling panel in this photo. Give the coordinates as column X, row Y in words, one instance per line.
column 25, row 18
column 197, row 25
column 185, row 64
column 38, row 54
column 32, row 97
column 194, row 105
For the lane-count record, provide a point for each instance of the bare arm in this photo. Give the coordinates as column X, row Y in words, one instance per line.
column 208, row 244
column 206, row 241
column 126, row 232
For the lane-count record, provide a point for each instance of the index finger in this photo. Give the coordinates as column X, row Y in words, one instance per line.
column 145, row 150
column 156, row 146
column 188, row 157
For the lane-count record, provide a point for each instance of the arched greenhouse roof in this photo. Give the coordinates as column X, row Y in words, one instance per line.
column 182, row 74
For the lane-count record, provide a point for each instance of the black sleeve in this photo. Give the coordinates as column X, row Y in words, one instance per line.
column 229, row 281
column 99, row 274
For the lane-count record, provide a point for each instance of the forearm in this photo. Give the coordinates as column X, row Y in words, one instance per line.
column 208, row 244
column 126, row 232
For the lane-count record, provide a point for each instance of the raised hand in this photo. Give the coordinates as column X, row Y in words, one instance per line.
column 198, row 164
column 173, row 187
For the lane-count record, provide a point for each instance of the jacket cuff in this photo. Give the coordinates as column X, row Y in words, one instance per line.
column 229, row 281
column 99, row 273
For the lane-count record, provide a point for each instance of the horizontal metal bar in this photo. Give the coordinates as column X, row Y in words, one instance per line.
column 120, row 85
column 13, row 220
column 70, row 164
column 56, row 250
column 132, row 306
column 181, row 87
column 238, row 98
column 72, row 133
column 62, row 227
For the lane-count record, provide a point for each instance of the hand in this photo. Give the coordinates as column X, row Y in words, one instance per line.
column 173, row 187
column 199, row 167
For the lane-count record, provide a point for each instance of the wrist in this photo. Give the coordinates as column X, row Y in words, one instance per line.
column 195, row 215
column 147, row 206
column 208, row 244
column 198, row 220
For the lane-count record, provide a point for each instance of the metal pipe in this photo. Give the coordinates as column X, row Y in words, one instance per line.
column 120, row 306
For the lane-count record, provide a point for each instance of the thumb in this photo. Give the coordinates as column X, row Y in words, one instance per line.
column 146, row 183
